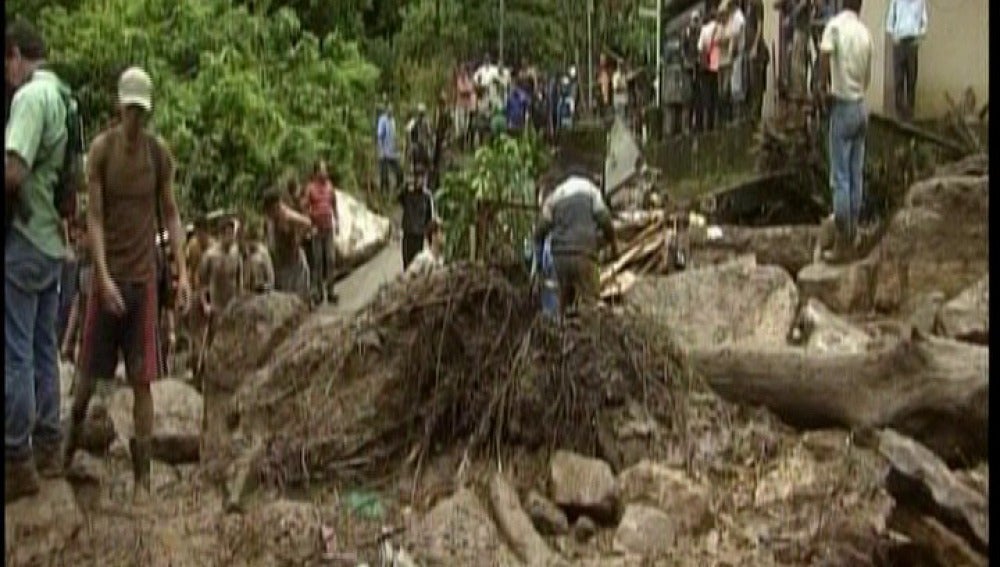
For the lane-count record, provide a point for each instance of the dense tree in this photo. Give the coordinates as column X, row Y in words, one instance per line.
column 240, row 94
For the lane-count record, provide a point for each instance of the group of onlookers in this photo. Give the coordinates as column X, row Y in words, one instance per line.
column 715, row 69
column 491, row 99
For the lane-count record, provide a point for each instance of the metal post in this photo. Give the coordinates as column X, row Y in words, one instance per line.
column 659, row 52
column 502, row 24
column 590, row 56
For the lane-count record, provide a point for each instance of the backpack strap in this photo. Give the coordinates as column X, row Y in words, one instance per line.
column 156, row 155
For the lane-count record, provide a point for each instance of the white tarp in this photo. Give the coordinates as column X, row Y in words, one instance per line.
column 622, row 161
column 362, row 233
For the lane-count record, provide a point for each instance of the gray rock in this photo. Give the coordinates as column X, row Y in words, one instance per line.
column 646, row 531
column 938, row 240
column 967, row 316
column 670, row 490
column 584, row 529
column 459, row 531
column 844, row 288
column 582, row 485
column 246, row 335
column 546, row 516
column 734, row 302
column 177, row 415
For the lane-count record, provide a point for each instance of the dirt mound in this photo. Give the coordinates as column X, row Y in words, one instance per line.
column 458, row 359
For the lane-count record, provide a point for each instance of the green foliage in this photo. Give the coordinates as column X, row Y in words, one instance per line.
column 464, row 29
column 239, row 95
column 497, row 187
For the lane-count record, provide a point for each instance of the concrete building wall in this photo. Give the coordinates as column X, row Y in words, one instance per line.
column 953, row 56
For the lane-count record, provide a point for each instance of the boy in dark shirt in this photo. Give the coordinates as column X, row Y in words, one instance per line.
column 418, row 210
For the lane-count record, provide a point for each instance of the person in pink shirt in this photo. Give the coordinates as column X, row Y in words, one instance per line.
column 321, row 206
column 710, row 53
column 465, row 103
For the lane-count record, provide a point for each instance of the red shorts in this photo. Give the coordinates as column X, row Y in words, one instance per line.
column 135, row 334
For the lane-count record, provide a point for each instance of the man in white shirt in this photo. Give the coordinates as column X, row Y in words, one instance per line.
column 431, row 257
column 906, row 22
column 846, row 58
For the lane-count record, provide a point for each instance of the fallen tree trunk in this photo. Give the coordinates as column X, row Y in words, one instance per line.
column 935, row 390
column 920, row 482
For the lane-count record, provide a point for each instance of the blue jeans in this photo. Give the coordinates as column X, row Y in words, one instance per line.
column 848, row 128
column 384, row 167
column 31, row 367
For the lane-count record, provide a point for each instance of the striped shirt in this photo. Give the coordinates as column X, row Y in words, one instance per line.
column 575, row 210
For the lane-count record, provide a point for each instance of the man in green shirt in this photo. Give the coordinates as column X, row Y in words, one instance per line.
column 35, row 142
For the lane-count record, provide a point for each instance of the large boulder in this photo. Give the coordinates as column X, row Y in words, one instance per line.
column 582, row 485
column 38, row 529
column 735, row 302
column 177, row 416
column 967, row 316
column 937, row 241
column 459, row 531
column 247, row 333
column 362, row 233
column 670, row 490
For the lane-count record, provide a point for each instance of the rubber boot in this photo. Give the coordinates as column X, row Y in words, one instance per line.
column 20, row 479
column 140, row 451
column 49, row 460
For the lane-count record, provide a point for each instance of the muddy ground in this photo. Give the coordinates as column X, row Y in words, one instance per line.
column 690, row 481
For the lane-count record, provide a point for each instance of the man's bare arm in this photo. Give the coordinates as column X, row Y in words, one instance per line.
column 95, row 209
column 295, row 217
column 172, row 217
column 16, row 172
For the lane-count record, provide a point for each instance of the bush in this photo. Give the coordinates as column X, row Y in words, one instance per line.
column 499, row 183
column 239, row 96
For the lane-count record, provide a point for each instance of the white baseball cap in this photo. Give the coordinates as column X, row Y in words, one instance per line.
column 135, row 88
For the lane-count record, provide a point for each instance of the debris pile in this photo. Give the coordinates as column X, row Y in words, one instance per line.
column 461, row 358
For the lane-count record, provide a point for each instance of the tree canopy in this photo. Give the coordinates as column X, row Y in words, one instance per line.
column 240, row 94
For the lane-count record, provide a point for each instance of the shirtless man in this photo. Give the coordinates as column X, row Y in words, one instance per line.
column 285, row 228
column 220, row 273
column 258, row 267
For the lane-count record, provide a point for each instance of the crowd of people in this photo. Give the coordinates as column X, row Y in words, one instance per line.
column 715, row 68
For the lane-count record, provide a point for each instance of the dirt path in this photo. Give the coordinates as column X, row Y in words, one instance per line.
column 358, row 289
